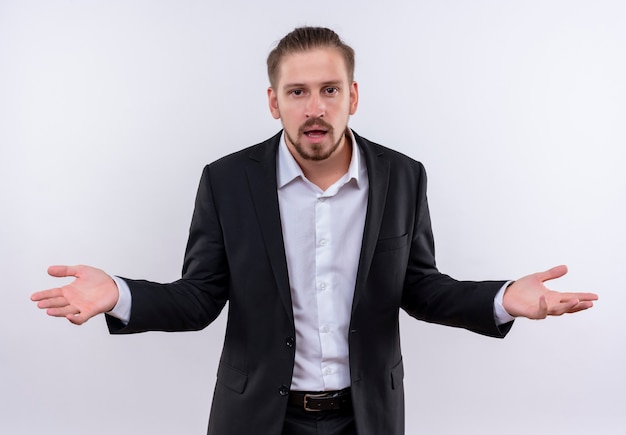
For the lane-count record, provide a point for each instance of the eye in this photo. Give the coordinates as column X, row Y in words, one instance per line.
column 331, row 90
column 296, row 92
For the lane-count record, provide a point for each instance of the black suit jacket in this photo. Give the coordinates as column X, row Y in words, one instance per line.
column 235, row 253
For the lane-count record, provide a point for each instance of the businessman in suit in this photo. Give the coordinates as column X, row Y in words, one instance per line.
column 316, row 238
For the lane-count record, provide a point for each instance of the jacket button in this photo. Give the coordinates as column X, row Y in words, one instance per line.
column 290, row 342
column 283, row 390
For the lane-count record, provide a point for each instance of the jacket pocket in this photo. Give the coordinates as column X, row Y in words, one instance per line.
column 397, row 375
column 391, row 243
column 232, row 378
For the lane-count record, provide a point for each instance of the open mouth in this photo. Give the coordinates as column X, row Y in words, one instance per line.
column 316, row 130
column 315, row 133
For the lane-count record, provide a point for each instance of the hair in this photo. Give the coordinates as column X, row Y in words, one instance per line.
column 307, row 38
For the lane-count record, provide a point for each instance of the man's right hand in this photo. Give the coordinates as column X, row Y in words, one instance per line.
column 91, row 293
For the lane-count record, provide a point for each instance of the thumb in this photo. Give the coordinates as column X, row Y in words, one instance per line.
column 63, row 271
column 553, row 273
column 78, row 319
column 543, row 308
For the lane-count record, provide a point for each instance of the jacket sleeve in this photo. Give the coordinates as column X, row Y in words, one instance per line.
column 434, row 297
column 195, row 300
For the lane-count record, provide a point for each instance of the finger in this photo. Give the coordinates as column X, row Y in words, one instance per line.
column 542, row 313
column 53, row 303
column 565, row 297
column 62, row 311
column 581, row 307
column 562, row 308
column 553, row 273
column 46, row 294
column 63, row 271
column 586, row 296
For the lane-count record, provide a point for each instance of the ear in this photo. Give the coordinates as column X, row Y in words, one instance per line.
column 272, row 100
column 354, row 97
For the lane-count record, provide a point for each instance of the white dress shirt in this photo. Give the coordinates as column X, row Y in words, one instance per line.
column 323, row 231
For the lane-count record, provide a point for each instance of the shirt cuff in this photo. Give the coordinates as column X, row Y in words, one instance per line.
column 499, row 312
column 121, row 310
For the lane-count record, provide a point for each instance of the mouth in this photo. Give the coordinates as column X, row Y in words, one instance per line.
column 315, row 133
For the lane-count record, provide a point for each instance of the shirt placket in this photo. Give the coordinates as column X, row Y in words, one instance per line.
column 324, row 283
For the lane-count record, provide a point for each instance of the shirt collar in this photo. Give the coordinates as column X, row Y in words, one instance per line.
column 288, row 169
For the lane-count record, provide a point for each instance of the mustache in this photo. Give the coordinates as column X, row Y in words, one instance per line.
column 314, row 122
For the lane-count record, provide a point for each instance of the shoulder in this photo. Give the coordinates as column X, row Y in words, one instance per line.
column 376, row 154
column 262, row 151
column 232, row 164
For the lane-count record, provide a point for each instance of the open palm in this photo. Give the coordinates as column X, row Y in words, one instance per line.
column 92, row 292
column 529, row 297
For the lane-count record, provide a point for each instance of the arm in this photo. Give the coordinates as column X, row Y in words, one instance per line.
column 187, row 304
column 438, row 298
column 435, row 297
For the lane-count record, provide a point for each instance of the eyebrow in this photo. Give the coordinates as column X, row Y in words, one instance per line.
column 336, row 83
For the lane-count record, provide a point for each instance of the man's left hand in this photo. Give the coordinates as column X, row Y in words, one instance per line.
column 529, row 297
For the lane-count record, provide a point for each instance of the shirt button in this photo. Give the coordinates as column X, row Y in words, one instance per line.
column 323, row 242
column 328, row 371
column 323, row 286
column 290, row 342
column 283, row 390
column 325, row 329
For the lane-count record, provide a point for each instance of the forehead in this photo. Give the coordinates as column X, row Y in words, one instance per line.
column 319, row 65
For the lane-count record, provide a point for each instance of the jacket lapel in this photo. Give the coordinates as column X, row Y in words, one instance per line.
column 263, row 187
column 378, row 175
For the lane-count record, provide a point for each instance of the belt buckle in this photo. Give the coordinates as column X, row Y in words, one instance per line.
column 312, row 396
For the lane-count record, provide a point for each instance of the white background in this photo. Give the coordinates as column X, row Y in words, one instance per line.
column 110, row 109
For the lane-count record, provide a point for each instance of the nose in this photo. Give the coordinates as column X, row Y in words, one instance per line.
column 315, row 107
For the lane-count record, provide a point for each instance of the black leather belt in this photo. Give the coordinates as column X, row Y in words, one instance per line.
column 321, row 401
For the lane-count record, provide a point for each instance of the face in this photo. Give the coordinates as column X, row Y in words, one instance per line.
column 314, row 99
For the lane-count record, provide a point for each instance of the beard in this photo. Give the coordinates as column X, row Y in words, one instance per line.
column 315, row 152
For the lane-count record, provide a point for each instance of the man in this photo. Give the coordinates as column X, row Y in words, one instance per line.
column 316, row 238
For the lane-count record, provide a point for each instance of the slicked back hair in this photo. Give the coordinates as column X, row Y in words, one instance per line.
column 307, row 38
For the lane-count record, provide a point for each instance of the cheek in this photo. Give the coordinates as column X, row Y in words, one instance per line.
column 341, row 113
column 290, row 120
column 341, row 108
column 291, row 124
column 292, row 115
